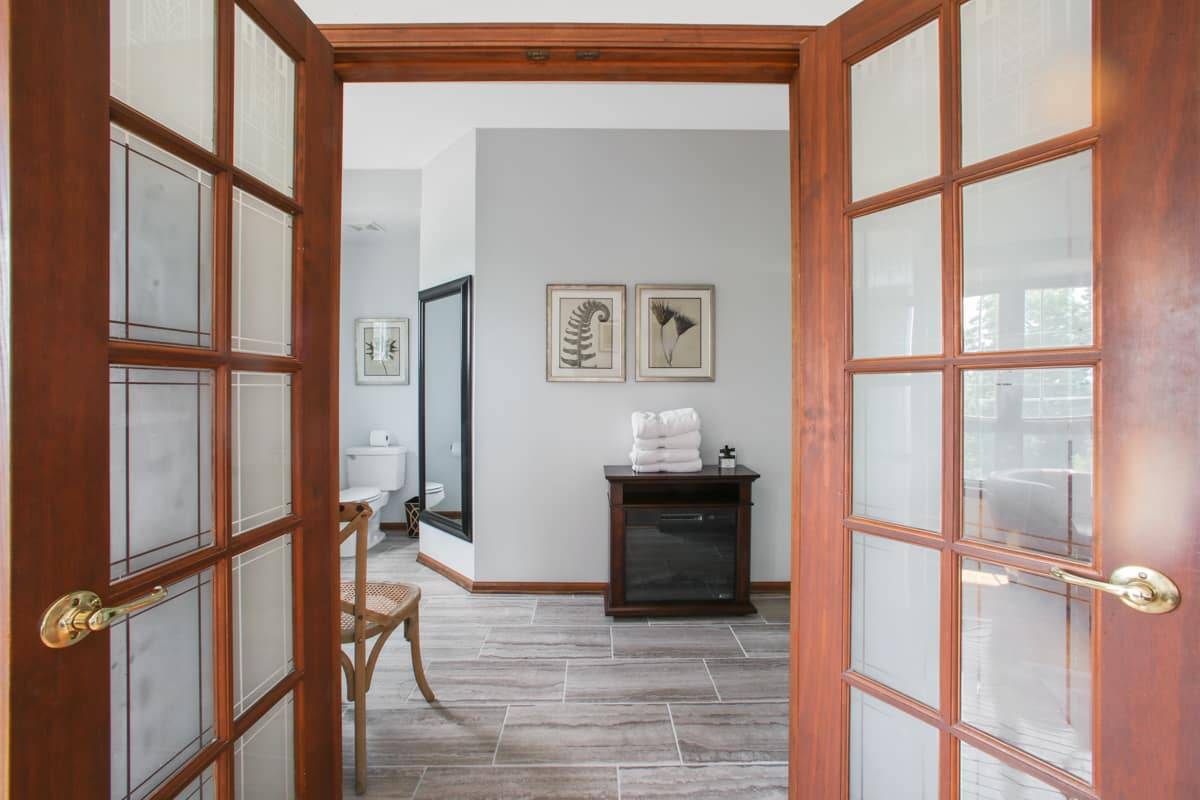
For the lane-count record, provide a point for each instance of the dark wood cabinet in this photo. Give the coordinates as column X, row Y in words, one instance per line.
column 679, row 543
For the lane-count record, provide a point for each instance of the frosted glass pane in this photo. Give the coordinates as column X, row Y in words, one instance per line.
column 262, row 449
column 893, row 756
column 898, row 280
column 263, row 759
column 203, row 788
column 895, row 115
column 161, row 465
column 163, row 62
column 1028, row 459
column 1026, row 73
column 982, row 777
column 1027, row 258
column 262, row 620
column 897, row 458
column 262, row 277
column 894, row 615
column 264, row 115
column 160, row 245
column 161, row 681
column 1027, row 663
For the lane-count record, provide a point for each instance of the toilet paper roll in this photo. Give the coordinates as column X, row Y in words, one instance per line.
column 380, row 438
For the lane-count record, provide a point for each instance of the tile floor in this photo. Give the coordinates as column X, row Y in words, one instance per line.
column 545, row 697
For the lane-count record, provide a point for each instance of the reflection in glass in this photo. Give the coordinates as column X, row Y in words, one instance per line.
column 897, row 458
column 1027, row 258
column 898, row 280
column 894, row 615
column 163, row 62
column 982, row 777
column 161, row 465
column 160, row 245
column 1027, row 663
column 895, row 115
column 1026, row 73
column 443, row 407
column 161, row 678
column 1028, row 459
column 893, row 756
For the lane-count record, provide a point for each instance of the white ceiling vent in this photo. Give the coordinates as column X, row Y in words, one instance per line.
column 366, row 227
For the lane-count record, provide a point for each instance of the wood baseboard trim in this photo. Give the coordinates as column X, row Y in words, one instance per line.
column 550, row 587
column 393, row 526
column 537, row 587
column 508, row 587
column 454, row 576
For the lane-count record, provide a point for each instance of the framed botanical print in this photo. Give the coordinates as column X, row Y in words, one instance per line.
column 676, row 337
column 585, row 332
column 381, row 350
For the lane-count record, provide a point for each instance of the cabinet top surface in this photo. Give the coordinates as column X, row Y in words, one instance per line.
column 708, row 473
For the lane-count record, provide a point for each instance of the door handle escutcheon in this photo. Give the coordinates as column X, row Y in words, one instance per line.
column 1141, row 588
column 70, row 618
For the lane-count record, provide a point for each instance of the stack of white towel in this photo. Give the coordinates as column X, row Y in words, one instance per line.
column 668, row 441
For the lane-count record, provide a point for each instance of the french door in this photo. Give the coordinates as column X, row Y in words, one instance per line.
column 998, row 347
column 171, row 170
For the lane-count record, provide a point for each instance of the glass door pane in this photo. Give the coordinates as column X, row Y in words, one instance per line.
column 264, row 116
column 893, row 756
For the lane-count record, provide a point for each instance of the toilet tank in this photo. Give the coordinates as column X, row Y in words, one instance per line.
column 381, row 467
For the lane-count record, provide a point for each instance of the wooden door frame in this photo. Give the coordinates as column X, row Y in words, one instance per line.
column 54, row 198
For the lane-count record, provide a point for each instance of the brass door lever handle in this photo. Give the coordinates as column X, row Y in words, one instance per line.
column 1141, row 588
column 70, row 618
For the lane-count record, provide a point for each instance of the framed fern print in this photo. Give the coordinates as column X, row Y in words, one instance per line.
column 585, row 332
column 381, row 350
column 676, row 338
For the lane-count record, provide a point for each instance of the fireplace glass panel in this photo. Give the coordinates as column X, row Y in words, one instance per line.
column 680, row 555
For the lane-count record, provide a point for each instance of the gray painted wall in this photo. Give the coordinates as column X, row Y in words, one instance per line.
column 579, row 206
column 379, row 279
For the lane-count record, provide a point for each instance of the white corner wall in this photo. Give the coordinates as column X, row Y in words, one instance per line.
column 607, row 206
column 379, row 279
column 448, row 219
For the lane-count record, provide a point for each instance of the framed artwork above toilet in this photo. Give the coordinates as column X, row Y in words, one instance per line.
column 381, row 350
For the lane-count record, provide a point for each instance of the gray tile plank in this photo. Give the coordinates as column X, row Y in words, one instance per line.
column 519, row 783
column 750, row 678
column 731, row 731
column 713, row 782
column 547, row 641
column 578, row 611
column 494, row 682
column 581, row 733
column 773, row 608
column 675, row 641
column 478, row 609
column 639, row 680
column 763, row 640
column 383, row 783
column 420, row 735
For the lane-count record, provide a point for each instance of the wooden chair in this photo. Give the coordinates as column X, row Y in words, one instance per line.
column 372, row 609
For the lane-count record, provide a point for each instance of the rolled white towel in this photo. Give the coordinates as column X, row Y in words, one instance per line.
column 651, row 425
column 675, row 466
column 642, row 457
column 686, row 441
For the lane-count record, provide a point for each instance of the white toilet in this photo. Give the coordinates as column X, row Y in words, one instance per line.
column 374, row 473
column 435, row 493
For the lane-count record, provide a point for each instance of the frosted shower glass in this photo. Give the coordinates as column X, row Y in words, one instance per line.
column 898, row 280
column 895, row 115
column 163, row 62
column 1026, row 73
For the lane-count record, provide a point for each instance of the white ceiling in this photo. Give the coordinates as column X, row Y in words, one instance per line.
column 691, row 12
column 404, row 125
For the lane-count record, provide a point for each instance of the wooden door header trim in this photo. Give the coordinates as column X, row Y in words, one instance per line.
column 491, row 52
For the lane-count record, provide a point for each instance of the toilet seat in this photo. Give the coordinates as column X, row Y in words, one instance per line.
column 359, row 494
column 433, row 486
